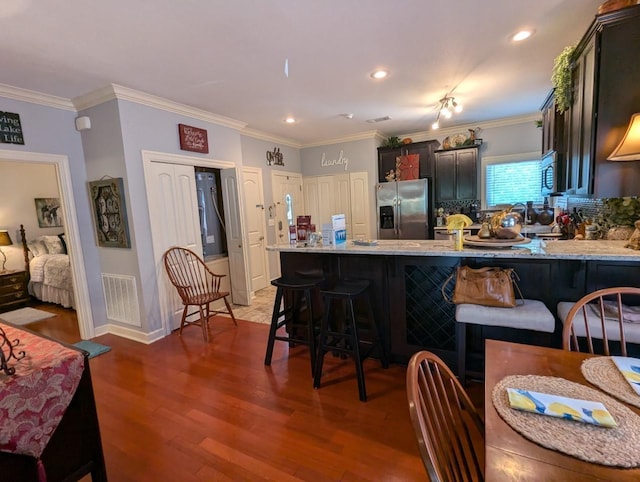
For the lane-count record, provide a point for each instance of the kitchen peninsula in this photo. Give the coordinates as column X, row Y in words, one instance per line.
column 407, row 277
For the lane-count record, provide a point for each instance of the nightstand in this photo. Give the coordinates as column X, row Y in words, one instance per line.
column 13, row 290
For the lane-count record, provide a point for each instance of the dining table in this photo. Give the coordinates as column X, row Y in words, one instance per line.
column 509, row 455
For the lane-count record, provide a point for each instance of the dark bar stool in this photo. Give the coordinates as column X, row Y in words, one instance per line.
column 300, row 291
column 347, row 340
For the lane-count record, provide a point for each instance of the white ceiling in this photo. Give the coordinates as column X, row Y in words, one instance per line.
column 227, row 57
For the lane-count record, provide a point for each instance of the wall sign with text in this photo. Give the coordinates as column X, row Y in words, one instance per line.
column 193, row 139
column 10, row 128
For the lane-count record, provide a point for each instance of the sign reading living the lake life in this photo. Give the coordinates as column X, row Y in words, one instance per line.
column 340, row 161
column 193, row 139
column 10, row 128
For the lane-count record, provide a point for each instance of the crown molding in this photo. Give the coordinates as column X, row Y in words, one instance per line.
column 24, row 95
column 350, row 138
column 448, row 131
column 263, row 136
column 119, row 92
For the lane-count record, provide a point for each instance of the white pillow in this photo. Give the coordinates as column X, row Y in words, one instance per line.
column 37, row 247
column 53, row 244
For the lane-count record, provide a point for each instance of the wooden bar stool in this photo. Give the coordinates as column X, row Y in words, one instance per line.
column 301, row 306
column 347, row 340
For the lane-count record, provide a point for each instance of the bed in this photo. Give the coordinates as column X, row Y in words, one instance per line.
column 49, row 269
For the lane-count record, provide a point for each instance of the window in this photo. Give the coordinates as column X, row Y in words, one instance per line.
column 512, row 181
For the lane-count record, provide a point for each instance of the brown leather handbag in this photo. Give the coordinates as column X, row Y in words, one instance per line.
column 484, row 286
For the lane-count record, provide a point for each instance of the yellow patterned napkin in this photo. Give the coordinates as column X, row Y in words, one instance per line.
column 562, row 407
column 630, row 369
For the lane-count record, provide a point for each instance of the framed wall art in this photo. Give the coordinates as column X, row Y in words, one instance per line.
column 193, row 139
column 48, row 212
column 110, row 212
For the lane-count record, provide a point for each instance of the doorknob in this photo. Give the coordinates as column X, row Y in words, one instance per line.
column 261, row 238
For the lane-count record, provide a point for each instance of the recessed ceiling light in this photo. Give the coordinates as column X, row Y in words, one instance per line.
column 379, row 74
column 347, row 116
column 290, row 120
column 522, row 35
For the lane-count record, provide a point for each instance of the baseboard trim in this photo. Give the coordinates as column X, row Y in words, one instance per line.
column 124, row 332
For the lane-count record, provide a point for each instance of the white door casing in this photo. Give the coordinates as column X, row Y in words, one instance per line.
column 239, row 270
column 256, row 230
column 72, row 231
column 166, row 292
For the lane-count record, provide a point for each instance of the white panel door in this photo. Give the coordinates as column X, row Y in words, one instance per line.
column 254, row 208
column 238, row 254
column 360, row 202
column 342, row 195
column 326, row 201
column 173, row 212
column 311, row 198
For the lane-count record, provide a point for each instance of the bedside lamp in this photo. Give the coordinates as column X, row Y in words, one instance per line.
column 5, row 240
column 629, row 147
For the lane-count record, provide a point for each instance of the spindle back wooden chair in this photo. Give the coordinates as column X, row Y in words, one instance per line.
column 449, row 430
column 197, row 286
column 601, row 316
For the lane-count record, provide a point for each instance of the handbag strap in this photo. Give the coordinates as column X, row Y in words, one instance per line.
column 514, row 280
column 444, row 286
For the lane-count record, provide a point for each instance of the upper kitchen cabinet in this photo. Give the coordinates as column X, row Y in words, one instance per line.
column 606, row 75
column 552, row 127
column 456, row 174
column 425, row 149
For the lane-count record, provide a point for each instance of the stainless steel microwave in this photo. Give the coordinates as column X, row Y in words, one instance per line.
column 549, row 174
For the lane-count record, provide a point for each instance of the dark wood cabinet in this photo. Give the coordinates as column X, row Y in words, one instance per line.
column 606, row 75
column 13, row 290
column 552, row 127
column 425, row 149
column 577, row 168
column 456, row 174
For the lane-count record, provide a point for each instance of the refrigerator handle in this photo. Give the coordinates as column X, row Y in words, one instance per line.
column 398, row 216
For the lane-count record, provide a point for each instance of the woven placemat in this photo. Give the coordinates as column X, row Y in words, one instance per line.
column 604, row 374
column 617, row 447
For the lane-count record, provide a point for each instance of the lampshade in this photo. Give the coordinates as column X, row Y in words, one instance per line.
column 5, row 239
column 629, row 147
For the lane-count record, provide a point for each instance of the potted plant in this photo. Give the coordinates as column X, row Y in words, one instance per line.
column 561, row 79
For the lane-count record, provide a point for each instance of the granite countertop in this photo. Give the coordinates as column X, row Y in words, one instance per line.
column 536, row 249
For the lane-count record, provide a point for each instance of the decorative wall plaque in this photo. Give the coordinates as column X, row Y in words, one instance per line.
column 275, row 157
column 110, row 212
column 193, row 139
column 10, row 128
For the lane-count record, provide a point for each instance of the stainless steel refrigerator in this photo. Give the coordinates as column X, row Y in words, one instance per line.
column 403, row 209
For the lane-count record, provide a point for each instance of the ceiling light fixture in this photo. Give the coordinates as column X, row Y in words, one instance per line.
column 290, row 120
column 448, row 106
column 379, row 74
column 522, row 35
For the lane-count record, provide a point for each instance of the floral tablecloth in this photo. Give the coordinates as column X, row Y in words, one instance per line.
column 34, row 399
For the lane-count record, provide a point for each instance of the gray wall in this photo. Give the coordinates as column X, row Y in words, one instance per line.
column 120, row 132
column 52, row 131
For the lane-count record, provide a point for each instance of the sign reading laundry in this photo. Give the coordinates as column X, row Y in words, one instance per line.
column 341, row 160
column 10, row 128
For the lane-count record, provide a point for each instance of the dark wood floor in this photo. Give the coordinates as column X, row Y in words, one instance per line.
column 184, row 410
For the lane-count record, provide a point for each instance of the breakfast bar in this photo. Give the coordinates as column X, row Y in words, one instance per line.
column 407, row 278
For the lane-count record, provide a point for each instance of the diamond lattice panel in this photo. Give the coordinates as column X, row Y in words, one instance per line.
column 430, row 319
